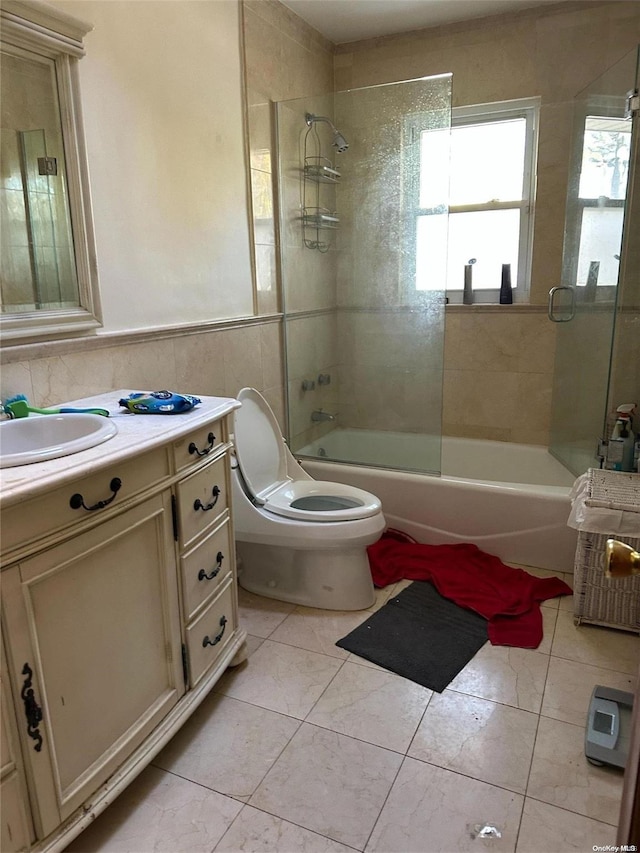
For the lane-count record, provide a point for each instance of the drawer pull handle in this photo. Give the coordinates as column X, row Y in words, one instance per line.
column 193, row 449
column 77, row 500
column 202, row 575
column 207, row 642
column 32, row 710
column 197, row 504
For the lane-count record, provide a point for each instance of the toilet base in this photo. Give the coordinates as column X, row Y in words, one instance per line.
column 328, row 579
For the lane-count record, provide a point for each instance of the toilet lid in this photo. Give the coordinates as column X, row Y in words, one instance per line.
column 259, row 444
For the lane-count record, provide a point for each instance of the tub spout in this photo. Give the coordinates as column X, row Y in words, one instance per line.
column 318, row 416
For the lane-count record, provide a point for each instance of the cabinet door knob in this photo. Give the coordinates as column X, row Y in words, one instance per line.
column 202, row 575
column 207, row 642
column 194, row 449
column 197, row 504
column 76, row 501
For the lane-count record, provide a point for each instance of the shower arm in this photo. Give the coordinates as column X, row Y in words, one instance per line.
column 339, row 141
column 310, row 119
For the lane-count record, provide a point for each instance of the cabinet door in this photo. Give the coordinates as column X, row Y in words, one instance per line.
column 96, row 622
column 16, row 831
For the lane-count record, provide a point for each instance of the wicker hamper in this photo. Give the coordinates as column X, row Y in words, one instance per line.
column 599, row 600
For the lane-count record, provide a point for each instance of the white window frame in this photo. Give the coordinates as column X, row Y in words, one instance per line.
column 607, row 107
column 529, row 109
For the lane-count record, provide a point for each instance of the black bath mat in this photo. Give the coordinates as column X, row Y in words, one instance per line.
column 420, row 635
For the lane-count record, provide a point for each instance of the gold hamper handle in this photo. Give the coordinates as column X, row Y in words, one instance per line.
column 621, row 560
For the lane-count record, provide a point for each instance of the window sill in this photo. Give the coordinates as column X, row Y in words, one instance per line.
column 494, row 307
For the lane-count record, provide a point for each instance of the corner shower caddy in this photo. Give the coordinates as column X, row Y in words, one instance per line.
column 317, row 170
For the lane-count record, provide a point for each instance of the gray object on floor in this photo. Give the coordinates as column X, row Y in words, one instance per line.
column 420, row 635
column 608, row 732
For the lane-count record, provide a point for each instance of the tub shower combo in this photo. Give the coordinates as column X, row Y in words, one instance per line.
column 362, row 253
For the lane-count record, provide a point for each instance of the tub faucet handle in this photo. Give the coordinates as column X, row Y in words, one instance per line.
column 318, row 416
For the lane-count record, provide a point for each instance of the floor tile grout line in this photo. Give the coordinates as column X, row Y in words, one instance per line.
column 568, row 811
column 595, row 665
column 261, row 707
column 535, row 737
column 382, row 807
column 340, row 668
column 177, row 775
column 304, row 649
column 292, row 823
column 262, row 778
column 417, row 729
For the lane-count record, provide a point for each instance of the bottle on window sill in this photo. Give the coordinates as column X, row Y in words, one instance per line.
column 592, row 281
column 467, row 293
column 506, row 294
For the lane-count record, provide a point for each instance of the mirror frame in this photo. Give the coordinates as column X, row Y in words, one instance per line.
column 42, row 29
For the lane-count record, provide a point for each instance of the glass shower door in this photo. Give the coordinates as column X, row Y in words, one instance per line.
column 597, row 231
column 364, row 244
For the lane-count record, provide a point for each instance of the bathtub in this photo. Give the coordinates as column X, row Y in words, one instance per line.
column 511, row 500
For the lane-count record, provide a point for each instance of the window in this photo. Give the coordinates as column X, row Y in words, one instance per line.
column 596, row 211
column 490, row 189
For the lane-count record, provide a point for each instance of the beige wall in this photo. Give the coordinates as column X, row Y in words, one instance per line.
column 217, row 362
column 162, row 100
column 164, row 119
column 286, row 60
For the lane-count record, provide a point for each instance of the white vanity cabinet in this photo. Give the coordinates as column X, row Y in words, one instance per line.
column 16, row 829
column 119, row 612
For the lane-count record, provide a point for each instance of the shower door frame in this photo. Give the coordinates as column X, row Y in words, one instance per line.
column 596, row 320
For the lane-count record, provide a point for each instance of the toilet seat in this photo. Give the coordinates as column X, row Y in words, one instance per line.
column 262, row 459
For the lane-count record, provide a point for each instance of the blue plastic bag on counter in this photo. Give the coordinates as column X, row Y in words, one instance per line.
column 158, row 402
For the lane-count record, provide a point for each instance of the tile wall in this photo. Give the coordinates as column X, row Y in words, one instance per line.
column 217, row 362
column 286, row 60
column 498, row 368
column 498, row 361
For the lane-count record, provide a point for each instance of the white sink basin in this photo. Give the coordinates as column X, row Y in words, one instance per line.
column 36, row 439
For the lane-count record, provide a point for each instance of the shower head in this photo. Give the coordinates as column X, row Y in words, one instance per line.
column 338, row 141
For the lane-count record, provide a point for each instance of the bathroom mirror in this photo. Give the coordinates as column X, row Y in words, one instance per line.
column 48, row 283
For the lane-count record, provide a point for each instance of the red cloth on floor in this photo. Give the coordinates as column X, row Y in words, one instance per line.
column 508, row 598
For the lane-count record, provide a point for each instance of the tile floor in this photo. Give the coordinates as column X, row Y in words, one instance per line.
column 308, row 748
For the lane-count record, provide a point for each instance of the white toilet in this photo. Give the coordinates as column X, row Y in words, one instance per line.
column 298, row 539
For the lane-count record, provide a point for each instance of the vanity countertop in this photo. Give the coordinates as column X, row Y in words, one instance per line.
column 136, row 434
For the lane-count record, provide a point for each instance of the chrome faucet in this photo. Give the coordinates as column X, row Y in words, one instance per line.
column 318, row 416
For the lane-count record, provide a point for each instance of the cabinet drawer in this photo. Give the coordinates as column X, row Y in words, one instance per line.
column 208, row 635
column 50, row 513
column 206, row 567
column 202, row 498
column 203, row 442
